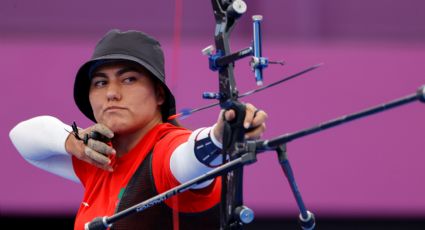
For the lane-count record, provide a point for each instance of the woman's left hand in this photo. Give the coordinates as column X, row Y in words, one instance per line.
column 254, row 122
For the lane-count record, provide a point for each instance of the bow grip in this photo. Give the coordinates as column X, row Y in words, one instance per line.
column 234, row 130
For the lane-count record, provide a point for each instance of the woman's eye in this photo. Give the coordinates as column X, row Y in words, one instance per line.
column 129, row 79
column 99, row 83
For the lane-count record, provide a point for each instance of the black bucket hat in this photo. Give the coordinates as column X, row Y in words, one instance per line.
column 132, row 46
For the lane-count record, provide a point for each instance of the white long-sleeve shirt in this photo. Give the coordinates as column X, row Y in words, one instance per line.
column 41, row 142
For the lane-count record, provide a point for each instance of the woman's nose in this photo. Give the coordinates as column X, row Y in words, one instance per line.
column 113, row 92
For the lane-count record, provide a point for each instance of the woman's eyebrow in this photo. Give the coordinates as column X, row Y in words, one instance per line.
column 118, row 73
column 128, row 69
column 98, row 74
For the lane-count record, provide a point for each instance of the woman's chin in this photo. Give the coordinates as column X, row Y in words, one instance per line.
column 117, row 127
column 121, row 126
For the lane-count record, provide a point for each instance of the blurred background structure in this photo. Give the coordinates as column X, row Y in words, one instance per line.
column 368, row 174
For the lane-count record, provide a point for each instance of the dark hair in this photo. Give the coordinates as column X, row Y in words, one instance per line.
column 164, row 108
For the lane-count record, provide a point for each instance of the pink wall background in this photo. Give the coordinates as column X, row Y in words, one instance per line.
column 372, row 53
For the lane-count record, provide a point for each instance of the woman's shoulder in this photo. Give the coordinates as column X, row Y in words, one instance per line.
column 168, row 129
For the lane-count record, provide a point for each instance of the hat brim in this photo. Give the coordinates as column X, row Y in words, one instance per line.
column 82, row 86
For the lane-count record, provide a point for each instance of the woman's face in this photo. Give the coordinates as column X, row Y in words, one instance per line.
column 123, row 97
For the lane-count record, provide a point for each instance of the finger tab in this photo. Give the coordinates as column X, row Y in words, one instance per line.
column 98, row 136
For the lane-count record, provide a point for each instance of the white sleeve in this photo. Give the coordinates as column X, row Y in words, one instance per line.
column 185, row 165
column 41, row 142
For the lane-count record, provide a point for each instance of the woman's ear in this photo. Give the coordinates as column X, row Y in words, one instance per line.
column 160, row 93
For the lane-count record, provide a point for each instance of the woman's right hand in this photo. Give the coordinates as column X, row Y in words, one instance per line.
column 95, row 152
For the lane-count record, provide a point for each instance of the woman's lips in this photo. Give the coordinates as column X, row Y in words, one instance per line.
column 112, row 108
